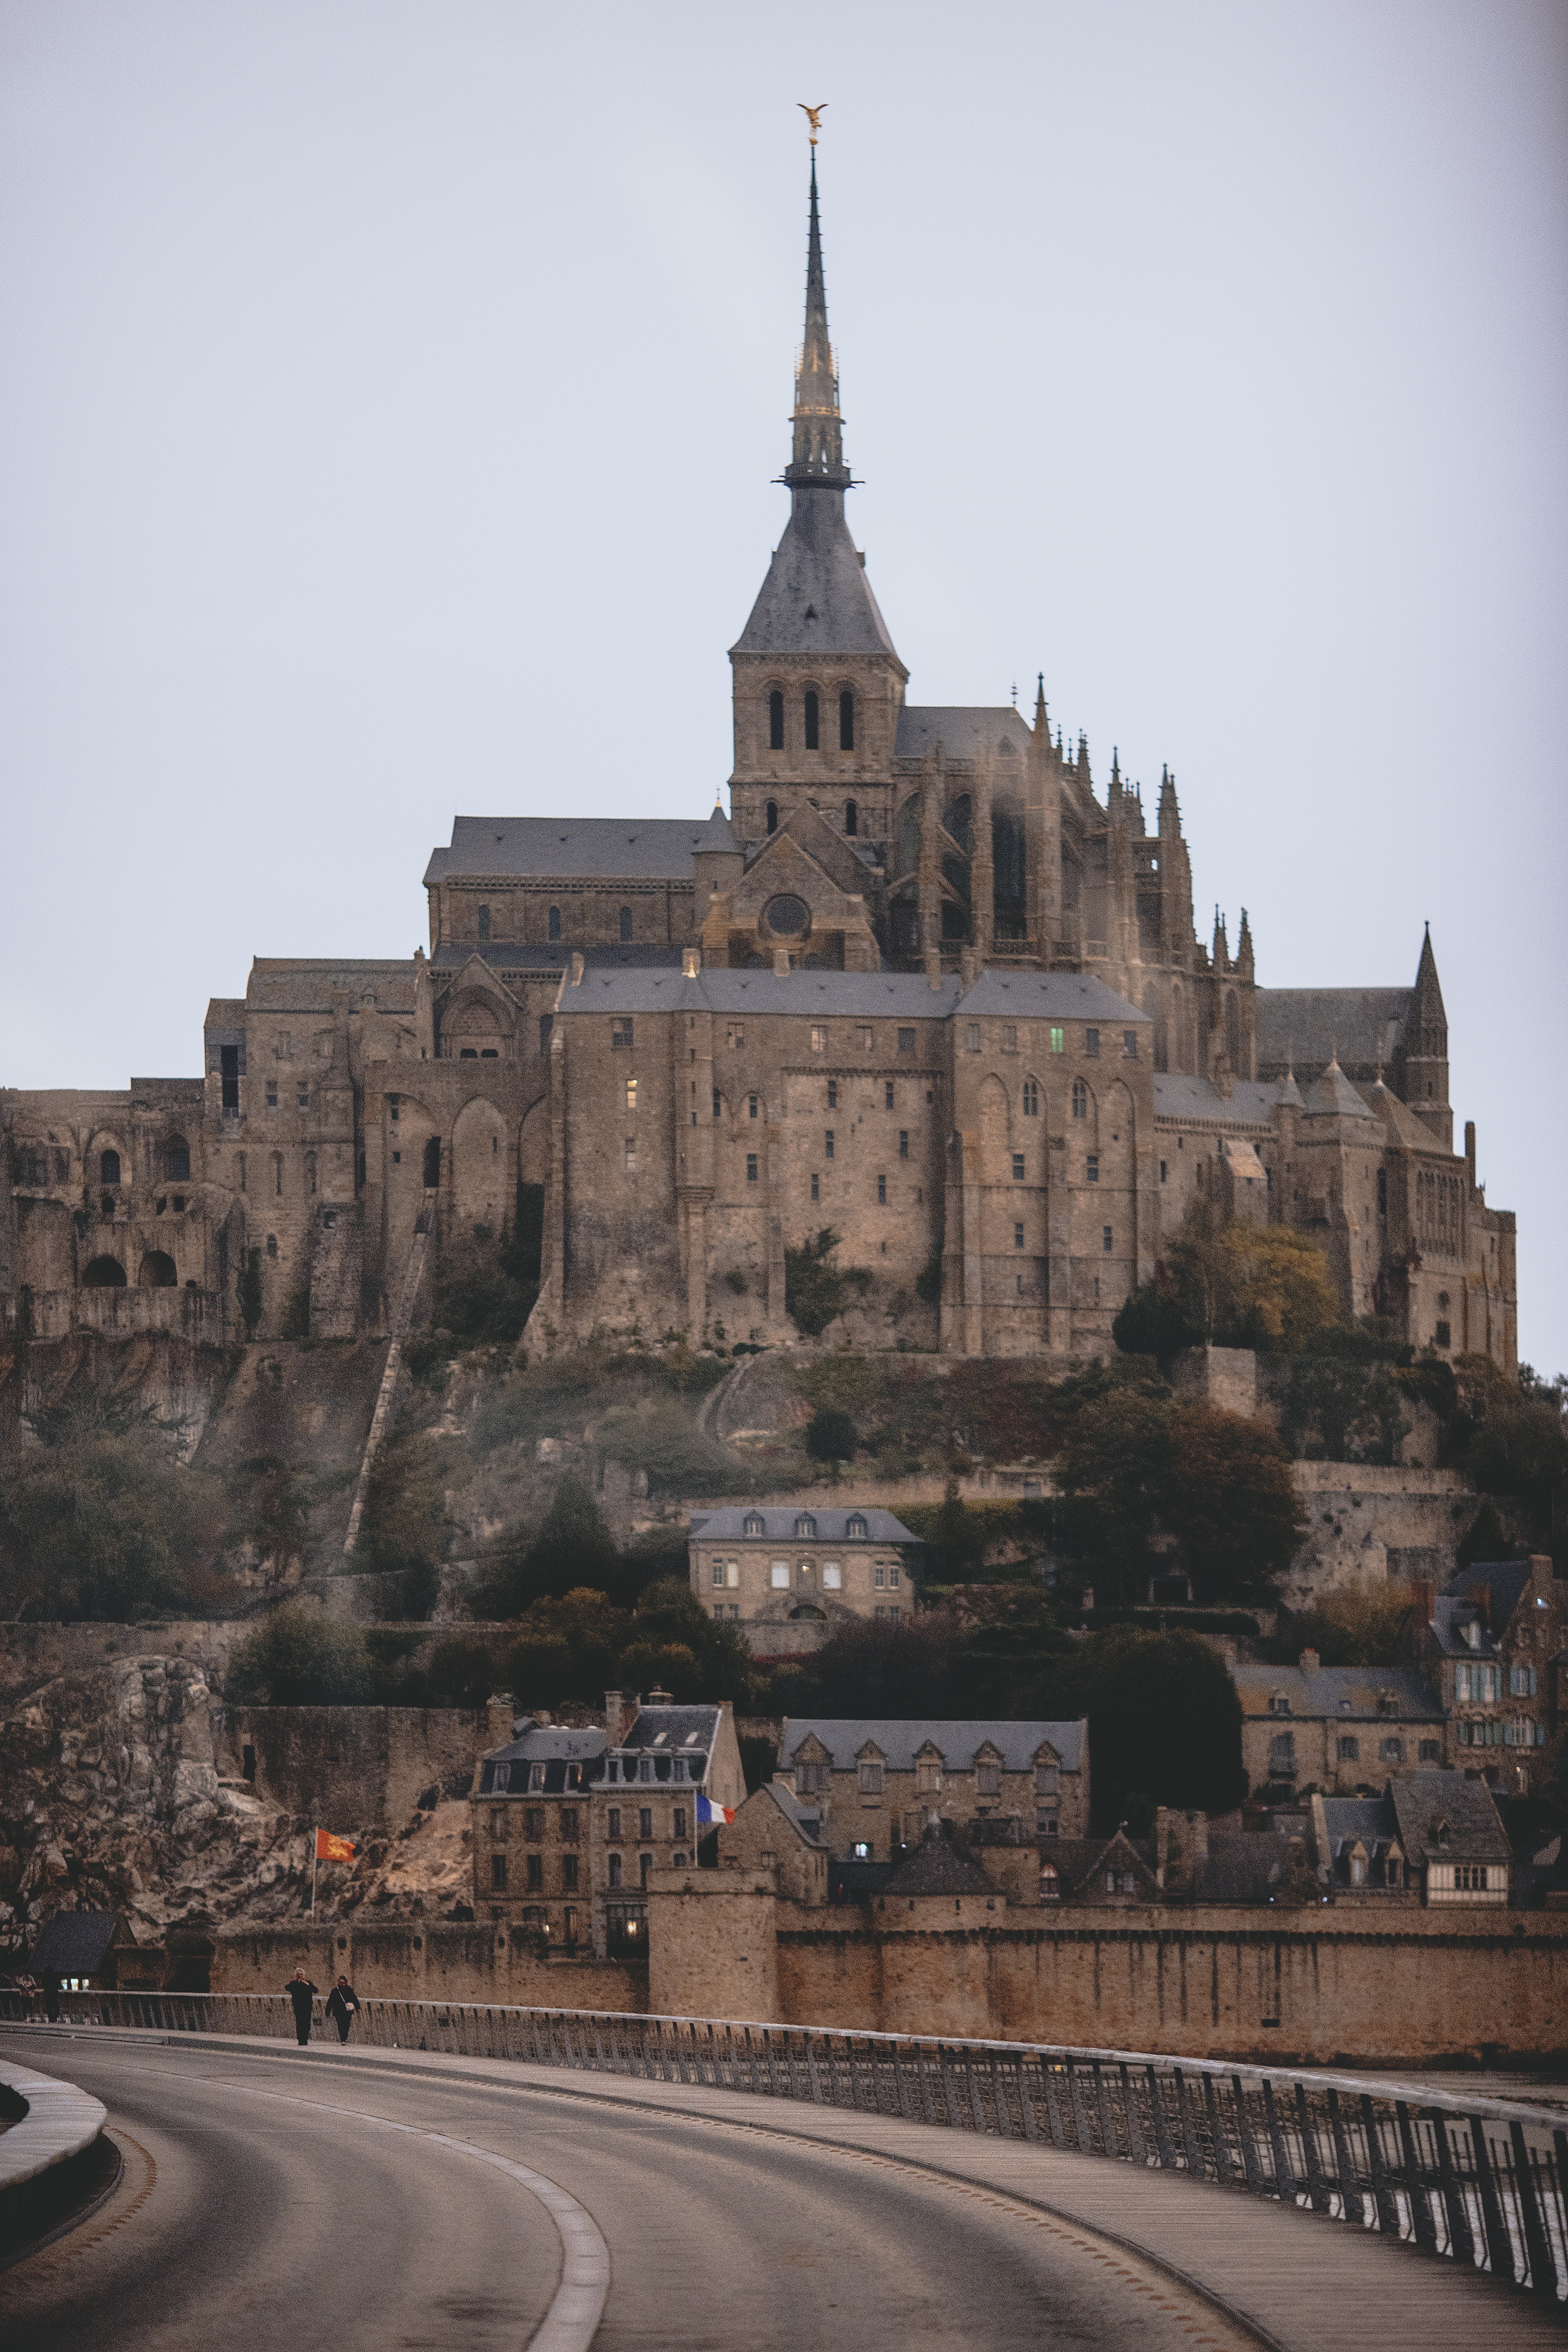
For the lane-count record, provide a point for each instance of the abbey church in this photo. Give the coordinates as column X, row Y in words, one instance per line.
column 925, row 987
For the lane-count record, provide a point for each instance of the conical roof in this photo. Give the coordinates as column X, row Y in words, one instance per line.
column 1331, row 1095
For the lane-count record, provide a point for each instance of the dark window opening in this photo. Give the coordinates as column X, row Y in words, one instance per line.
column 484, row 923
column 229, row 1065
column 770, row 816
column 852, row 818
column 625, row 926
column 432, row 1163
column 104, row 1274
column 248, row 1762
column 109, row 1167
column 846, row 725
column 813, row 728
column 775, row 723
column 177, row 1159
column 157, row 1272
column 556, row 922
column 547, row 1024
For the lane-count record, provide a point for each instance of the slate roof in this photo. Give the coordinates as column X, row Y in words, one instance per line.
column 1489, row 1591
column 816, row 597
column 1052, row 996
column 1320, row 1693
column 546, row 1743
column 1241, row 1868
column 937, row 1867
column 303, row 983
column 507, row 956
column 804, row 1820
column 76, row 1943
column 1188, row 1102
column 900, row 1739
column 1331, row 1095
column 850, row 995
column 673, row 1729
column 1421, row 1801
column 965, row 729
column 729, row 1525
column 573, row 848
column 858, row 1882
column 1349, row 1821
column 1309, row 1025
column 1406, row 1127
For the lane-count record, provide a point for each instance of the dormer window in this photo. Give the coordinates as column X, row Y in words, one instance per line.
column 1473, row 1633
column 1386, row 1703
column 855, row 1528
column 805, row 1526
column 1279, row 1704
column 753, row 1525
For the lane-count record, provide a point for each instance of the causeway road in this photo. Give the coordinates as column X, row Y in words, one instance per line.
column 286, row 2200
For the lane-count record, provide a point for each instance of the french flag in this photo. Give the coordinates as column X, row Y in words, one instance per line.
column 709, row 1816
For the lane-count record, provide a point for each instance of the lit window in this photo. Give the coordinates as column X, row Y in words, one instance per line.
column 778, row 1575
column 832, row 1576
column 818, row 1039
column 1059, row 1041
column 631, row 1094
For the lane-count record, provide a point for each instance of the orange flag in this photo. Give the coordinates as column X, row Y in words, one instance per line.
column 330, row 1847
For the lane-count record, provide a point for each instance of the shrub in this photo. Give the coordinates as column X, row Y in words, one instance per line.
column 830, row 1436
column 403, row 1530
column 1366, row 1627
column 107, row 1527
column 815, row 1290
column 658, row 1436
column 1164, row 1728
column 571, row 1550
column 1231, row 1499
column 296, row 1657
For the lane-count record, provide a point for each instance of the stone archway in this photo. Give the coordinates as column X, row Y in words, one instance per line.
column 481, row 1178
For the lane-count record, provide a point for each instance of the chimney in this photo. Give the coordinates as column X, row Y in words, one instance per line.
column 1308, row 1662
column 659, row 1698
column 933, row 966
column 576, row 969
column 968, row 967
column 1423, row 1599
column 781, row 963
column 690, row 962
column 615, row 1708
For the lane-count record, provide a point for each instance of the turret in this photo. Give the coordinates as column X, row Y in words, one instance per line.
column 1422, row 1063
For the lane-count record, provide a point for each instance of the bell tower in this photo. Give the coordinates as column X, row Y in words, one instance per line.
column 817, row 685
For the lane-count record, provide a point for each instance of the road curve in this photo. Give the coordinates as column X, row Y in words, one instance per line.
column 284, row 2199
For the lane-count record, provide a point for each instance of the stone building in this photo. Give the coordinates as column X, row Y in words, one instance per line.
column 1489, row 1642
column 787, row 1577
column 569, row 1826
column 926, row 985
column 880, row 1782
column 1434, row 1838
column 1336, row 1728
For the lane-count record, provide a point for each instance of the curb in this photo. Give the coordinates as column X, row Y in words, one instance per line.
column 59, row 2123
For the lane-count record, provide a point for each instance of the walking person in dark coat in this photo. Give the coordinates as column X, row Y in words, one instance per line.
column 342, row 2006
column 302, row 1992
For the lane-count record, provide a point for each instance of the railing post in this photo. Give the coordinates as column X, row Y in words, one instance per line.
column 1195, row 2167
column 1421, row 2221
column 1026, row 2100
column 1499, row 2245
column 1163, row 2146
column 1252, row 2170
column 1350, row 2185
column 1284, row 2176
column 901, row 2085
column 1311, row 2154
column 1107, row 2118
column 1083, row 2135
column 1382, row 2188
column 1542, row 2272
column 1219, row 2147
column 976, row 2095
column 1461, row 2240
column 1131, row 2118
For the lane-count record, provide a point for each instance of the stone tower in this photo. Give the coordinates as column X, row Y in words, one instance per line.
column 817, row 683
column 1421, row 1070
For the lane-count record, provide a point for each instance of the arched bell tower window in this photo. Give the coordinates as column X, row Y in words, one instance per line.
column 851, row 817
column 846, row 720
column 813, row 730
column 770, row 816
column 776, row 720
column 556, row 922
column 625, row 924
column 484, row 923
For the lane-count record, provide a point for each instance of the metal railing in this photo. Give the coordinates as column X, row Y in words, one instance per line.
column 1480, row 2181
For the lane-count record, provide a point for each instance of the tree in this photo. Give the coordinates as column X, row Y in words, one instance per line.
column 572, row 1548
column 1164, row 1728
column 673, row 1645
column 403, row 1529
column 296, row 1657
column 876, row 1667
column 567, row 1649
column 1153, row 1321
column 815, row 1290
column 1113, row 1472
column 830, row 1436
column 105, row 1526
column 1246, row 1286
column 1231, row 1497
column 1368, row 1627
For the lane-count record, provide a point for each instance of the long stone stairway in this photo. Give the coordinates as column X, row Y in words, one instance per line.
column 403, row 1315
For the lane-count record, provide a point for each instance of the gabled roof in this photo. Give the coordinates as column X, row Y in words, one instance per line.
column 1423, row 1802
column 804, row 1820
column 1051, row 996
column 573, row 848
column 1309, row 1026
column 1244, row 1867
column 1189, row 1101
column 1117, row 1853
column 965, row 730
column 901, row 1738
column 1321, row 1693
column 1498, row 1585
column 673, row 1730
column 76, row 1943
column 729, row 1525
column 1402, row 1122
column 937, row 1867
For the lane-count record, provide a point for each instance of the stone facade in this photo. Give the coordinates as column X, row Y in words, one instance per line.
column 787, row 1577
column 878, row 1782
column 924, row 985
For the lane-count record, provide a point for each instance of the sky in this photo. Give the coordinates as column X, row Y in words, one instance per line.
column 393, row 396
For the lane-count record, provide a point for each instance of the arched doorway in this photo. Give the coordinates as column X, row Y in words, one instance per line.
column 156, row 1272
column 104, row 1274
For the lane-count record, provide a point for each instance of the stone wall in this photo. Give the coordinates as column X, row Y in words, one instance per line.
column 712, row 1950
column 1219, row 1983
column 1366, row 1523
column 353, row 1768
column 416, row 1960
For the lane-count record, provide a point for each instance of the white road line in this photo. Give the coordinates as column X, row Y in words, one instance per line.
column 572, row 2319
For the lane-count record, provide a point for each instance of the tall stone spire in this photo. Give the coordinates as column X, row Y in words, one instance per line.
column 817, row 457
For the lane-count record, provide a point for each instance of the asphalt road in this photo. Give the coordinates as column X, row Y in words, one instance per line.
column 268, row 2204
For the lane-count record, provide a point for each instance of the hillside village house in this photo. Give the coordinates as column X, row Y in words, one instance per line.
column 1432, row 1837
column 1339, row 1727
column 1493, row 1647
column 787, row 1577
column 569, row 1826
column 878, row 1780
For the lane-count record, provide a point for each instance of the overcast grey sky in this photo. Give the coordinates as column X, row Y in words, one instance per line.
column 393, row 395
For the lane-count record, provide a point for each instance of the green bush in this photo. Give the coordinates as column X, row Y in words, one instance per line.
column 815, row 1290
column 1164, row 1728
column 659, row 1436
column 296, row 1657
column 572, row 1549
column 105, row 1524
column 830, row 1436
